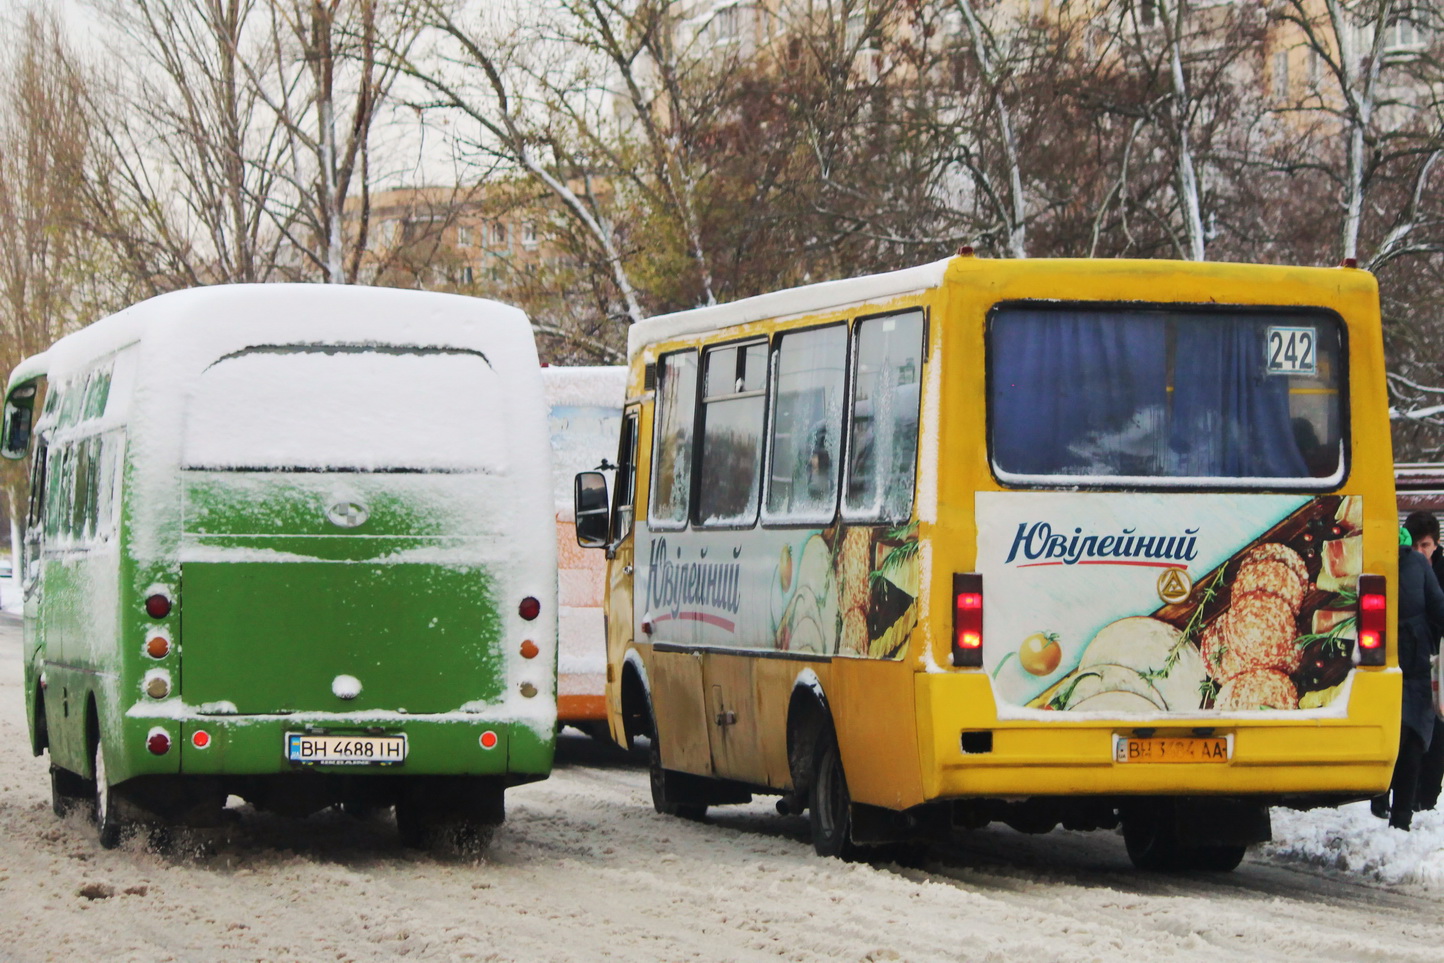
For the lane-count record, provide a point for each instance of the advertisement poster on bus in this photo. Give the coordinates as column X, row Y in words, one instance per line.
column 842, row 590
column 1148, row 604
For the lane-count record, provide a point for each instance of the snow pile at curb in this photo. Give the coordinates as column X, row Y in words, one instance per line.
column 1351, row 839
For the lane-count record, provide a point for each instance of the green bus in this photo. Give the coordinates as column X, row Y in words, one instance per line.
column 292, row 543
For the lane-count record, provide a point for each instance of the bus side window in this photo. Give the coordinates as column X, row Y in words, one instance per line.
column 108, row 496
column 622, row 511
column 92, row 488
column 805, row 456
column 673, row 427
column 57, row 501
column 734, row 399
column 80, row 473
column 882, row 440
column 35, row 513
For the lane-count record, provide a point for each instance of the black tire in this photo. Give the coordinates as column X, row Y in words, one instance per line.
column 411, row 824
column 109, row 824
column 1153, row 845
column 68, row 791
column 658, row 778
column 1151, row 840
column 446, row 825
column 829, row 805
column 1213, row 859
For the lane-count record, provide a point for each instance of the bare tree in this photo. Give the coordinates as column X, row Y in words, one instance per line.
column 516, row 126
column 53, row 277
column 327, row 85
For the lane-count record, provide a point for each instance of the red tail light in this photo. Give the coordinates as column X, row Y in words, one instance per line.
column 157, row 606
column 158, row 742
column 968, row 620
column 200, row 738
column 1373, row 616
column 529, row 609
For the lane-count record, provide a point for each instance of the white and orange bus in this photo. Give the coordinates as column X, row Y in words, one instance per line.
column 584, row 407
column 1079, row 542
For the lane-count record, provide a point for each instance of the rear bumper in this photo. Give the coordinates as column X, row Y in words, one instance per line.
column 1352, row 755
column 254, row 745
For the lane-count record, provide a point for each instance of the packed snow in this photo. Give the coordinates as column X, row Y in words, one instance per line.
column 584, row 870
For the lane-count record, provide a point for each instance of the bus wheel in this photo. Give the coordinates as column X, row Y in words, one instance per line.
column 109, row 824
column 456, row 817
column 67, row 791
column 661, row 802
column 1151, row 837
column 829, row 803
column 1213, row 859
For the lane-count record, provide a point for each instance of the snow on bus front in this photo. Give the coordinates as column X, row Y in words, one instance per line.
column 343, row 513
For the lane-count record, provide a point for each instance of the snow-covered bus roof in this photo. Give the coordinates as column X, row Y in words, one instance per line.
column 780, row 304
column 208, row 322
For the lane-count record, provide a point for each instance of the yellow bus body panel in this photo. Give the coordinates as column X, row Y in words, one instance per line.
column 899, row 722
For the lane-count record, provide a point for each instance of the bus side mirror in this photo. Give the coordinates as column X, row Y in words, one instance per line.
column 19, row 417
column 592, row 509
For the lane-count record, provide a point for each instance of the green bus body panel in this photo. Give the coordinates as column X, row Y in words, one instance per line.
column 273, row 636
column 77, row 621
column 277, row 600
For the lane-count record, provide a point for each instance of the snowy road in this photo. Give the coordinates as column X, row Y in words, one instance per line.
column 584, row 870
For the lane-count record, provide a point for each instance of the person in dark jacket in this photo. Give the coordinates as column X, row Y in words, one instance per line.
column 1431, row 770
column 1421, row 620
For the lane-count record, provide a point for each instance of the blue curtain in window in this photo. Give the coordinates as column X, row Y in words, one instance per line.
column 1078, row 392
column 1230, row 419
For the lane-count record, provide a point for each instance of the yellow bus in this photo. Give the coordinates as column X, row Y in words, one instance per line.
column 1079, row 542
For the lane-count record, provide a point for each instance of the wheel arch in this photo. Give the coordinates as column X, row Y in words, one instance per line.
column 636, row 698
column 808, row 716
column 92, row 733
column 39, row 724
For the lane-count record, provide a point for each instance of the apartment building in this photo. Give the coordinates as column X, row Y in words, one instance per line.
column 473, row 239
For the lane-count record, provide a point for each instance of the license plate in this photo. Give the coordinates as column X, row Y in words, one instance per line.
column 1172, row 749
column 345, row 750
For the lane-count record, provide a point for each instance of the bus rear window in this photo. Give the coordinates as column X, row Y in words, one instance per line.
column 1166, row 397
column 347, row 409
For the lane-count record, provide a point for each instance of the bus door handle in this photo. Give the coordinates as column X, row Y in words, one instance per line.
column 725, row 716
